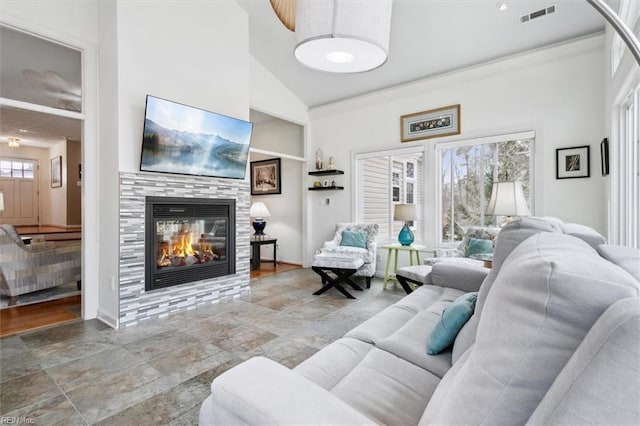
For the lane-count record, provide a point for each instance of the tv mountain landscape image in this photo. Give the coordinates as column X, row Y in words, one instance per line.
column 174, row 151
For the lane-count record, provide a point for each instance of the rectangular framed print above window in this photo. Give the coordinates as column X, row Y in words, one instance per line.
column 433, row 123
column 573, row 162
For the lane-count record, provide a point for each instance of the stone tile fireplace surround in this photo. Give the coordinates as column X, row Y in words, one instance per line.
column 136, row 304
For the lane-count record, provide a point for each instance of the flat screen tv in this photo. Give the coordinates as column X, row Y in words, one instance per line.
column 190, row 141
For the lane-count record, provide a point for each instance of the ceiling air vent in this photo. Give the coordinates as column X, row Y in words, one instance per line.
column 539, row 13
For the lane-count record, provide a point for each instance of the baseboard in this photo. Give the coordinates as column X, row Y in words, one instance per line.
column 107, row 319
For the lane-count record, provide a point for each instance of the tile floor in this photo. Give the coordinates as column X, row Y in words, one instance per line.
column 159, row 372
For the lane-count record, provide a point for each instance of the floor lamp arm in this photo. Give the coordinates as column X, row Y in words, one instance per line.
column 618, row 24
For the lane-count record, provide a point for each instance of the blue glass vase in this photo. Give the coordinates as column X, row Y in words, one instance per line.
column 405, row 236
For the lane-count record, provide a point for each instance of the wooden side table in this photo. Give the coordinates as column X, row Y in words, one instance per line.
column 392, row 251
column 256, row 243
column 487, row 259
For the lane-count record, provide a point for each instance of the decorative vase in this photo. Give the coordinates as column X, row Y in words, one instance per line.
column 405, row 237
column 319, row 159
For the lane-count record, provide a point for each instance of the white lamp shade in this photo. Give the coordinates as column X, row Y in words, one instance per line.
column 1, row 201
column 507, row 199
column 343, row 36
column 259, row 209
column 404, row 212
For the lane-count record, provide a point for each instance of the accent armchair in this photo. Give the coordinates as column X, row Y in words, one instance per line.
column 367, row 253
column 461, row 253
column 25, row 268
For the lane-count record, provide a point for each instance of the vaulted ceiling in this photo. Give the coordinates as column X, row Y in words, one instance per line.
column 428, row 37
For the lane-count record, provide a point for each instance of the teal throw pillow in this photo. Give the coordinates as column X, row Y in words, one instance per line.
column 479, row 246
column 354, row 239
column 450, row 323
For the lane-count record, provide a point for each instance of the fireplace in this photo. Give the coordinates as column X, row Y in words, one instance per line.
column 187, row 240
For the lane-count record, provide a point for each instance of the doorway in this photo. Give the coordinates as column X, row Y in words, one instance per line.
column 283, row 140
column 41, row 104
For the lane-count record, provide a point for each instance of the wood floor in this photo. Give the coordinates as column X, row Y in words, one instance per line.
column 267, row 268
column 22, row 318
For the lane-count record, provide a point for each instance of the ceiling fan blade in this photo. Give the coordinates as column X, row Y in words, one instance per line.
column 52, row 85
column 59, row 84
column 285, row 11
column 35, row 79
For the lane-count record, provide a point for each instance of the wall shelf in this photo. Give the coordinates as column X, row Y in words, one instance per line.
column 325, row 188
column 326, row 172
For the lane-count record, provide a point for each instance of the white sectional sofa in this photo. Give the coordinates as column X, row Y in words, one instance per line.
column 555, row 339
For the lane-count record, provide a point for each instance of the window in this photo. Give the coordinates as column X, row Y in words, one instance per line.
column 384, row 180
column 20, row 169
column 467, row 172
column 629, row 171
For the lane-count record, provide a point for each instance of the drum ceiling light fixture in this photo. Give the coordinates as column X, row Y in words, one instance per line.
column 343, row 36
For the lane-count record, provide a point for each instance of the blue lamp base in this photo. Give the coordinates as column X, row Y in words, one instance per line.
column 258, row 225
column 405, row 237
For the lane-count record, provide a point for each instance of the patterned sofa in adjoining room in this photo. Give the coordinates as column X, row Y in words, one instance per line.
column 25, row 268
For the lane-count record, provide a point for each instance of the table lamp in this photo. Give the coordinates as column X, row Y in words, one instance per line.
column 405, row 212
column 1, row 201
column 507, row 199
column 258, row 212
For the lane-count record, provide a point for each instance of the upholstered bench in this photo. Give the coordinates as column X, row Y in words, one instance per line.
column 342, row 267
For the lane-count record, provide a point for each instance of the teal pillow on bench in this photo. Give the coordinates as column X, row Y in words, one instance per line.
column 450, row 323
column 479, row 246
column 354, row 239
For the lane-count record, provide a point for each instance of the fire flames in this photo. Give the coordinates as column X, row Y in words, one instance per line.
column 184, row 247
column 181, row 252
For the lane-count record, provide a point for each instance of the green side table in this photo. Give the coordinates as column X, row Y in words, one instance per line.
column 392, row 251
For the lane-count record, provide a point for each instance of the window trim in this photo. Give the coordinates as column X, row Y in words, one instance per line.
column 439, row 147
column 357, row 178
column 23, row 161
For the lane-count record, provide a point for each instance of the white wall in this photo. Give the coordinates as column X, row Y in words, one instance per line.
column 108, row 309
column 286, row 210
column 557, row 92
column 269, row 95
column 76, row 19
column 195, row 53
column 58, row 204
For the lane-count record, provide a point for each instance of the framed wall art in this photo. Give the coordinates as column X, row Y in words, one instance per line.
column 573, row 162
column 604, row 156
column 433, row 123
column 56, row 172
column 265, row 177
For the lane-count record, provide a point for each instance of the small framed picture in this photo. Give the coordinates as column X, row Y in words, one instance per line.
column 265, row 177
column 604, row 156
column 56, row 172
column 433, row 123
column 573, row 162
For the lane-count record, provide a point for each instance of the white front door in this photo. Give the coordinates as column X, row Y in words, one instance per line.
column 19, row 185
